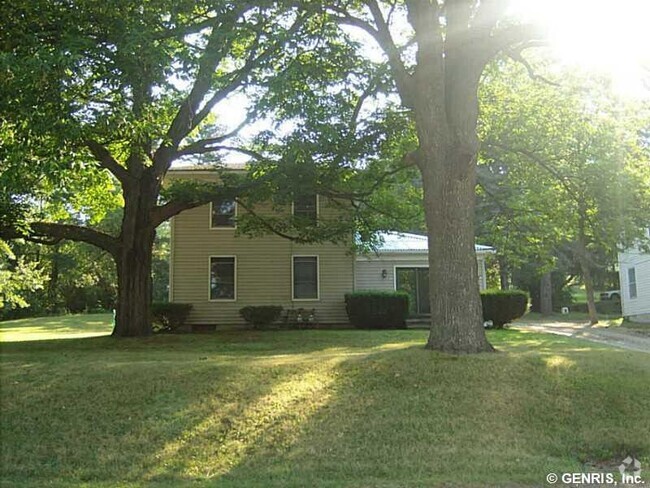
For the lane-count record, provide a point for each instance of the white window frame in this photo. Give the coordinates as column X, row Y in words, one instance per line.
column 210, row 299
column 629, row 284
column 221, row 227
column 293, row 207
column 293, row 296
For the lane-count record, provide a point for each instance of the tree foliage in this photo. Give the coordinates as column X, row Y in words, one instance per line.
column 564, row 171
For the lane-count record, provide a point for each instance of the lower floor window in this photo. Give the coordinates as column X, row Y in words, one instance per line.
column 305, row 277
column 222, row 278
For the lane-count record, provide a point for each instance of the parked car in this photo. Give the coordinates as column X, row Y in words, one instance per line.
column 610, row 295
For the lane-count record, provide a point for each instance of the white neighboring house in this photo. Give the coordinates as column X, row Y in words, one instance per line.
column 634, row 275
column 402, row 263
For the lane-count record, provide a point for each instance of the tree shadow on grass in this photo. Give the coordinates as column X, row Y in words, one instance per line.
column 414, row 418
column 165, row 409
column 342, row 410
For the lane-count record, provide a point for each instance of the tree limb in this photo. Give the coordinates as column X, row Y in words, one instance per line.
column 516, row 55
column 381, row 34
column 197, row 146
column 53, row 233
column 107, row 161
column 209, row 148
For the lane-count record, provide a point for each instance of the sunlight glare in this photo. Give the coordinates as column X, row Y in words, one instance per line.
column 603, row 37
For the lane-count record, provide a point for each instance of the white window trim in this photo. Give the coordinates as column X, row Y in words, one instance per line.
column 629, row 283
column 293, row 208
column 293, row 299
column 210, row 299
column 221, row 227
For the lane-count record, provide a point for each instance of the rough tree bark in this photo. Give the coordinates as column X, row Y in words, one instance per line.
column 546, row 294
column 588, row 281
column 456, row 312
column 134, row 259
column 441, row 92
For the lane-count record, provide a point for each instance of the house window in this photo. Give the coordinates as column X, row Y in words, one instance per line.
column 223, row 279
column 306, row 208
column 222, row 214
column 305, row 277
column 631, row 282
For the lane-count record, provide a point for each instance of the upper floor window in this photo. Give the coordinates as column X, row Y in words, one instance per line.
column 223, row 214
column 631, row 282
column 305, row 207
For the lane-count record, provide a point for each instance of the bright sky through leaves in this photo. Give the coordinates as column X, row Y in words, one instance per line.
column 605, row 37
column 597, row 36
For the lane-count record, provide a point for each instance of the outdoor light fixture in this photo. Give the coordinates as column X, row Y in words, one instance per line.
column 384, row 273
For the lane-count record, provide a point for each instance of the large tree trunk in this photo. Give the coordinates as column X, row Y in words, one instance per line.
column 504, row 278
column 456, row 312
column 588, row 282
column 133, row 314
column 134, row 261
column 546, row 294
column 583, row 259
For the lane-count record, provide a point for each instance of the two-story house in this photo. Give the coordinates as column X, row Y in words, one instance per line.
column 219, row 271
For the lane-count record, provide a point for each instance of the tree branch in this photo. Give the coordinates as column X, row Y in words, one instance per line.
column 208, row 148
column 215, row 51
column 198, row 146
column 53, row 233
column 107, row 161
column 516, row 55
column 381, row 34
column 505, row 39
column 385, row 39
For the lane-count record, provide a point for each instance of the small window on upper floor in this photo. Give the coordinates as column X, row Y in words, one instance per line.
column 306, row 208
column 223, row 214
column 631, row 282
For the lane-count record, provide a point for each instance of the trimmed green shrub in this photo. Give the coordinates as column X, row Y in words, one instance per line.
column 168, row 317
column 260, row 315
column 377, row 309
column 503, row 306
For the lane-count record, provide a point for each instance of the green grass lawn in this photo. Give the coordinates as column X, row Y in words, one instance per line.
column 314, row 408
column 63, row 327
column 604, row 320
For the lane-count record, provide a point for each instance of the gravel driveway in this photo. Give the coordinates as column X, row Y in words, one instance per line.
column 616, row 337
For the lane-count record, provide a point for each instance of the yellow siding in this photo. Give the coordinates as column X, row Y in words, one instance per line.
column 263, row 271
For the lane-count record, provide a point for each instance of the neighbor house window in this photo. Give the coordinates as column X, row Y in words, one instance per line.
column 631, row 282
column 305, row 277
column 222, row 214
column 223, row 277
column 306, row 208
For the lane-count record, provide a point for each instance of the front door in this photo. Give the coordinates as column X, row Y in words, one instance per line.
column 415, row 282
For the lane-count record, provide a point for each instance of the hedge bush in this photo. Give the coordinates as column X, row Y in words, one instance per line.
column 168, row 317
column 503, row 306
column 260, row 315
column 377, row 309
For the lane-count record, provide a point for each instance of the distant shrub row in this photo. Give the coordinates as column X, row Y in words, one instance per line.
column 365, row 309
